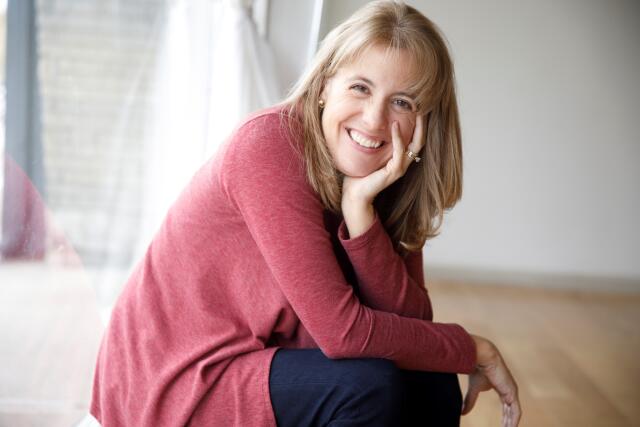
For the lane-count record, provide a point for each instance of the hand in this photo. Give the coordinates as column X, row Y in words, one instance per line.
column 492, row 372
column 363, row 190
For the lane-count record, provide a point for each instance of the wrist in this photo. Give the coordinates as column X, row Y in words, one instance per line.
column 487, row 353
column 358, row 218
column 352, row 202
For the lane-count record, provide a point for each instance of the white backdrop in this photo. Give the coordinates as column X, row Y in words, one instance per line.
column 550, row 97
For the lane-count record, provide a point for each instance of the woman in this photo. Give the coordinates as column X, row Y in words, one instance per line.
column 285, row 285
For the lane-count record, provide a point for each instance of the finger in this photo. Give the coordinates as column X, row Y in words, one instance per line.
column 477, row 384
column 512, row 421
column 505, row 416
column 517, row 413
column 398, row 150
column 470, row 400
column 417, row 141
column 398, row 146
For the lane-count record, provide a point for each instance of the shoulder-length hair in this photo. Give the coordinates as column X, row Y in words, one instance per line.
column 411, row 209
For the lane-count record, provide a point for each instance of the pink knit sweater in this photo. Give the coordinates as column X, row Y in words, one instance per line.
column 248, row 261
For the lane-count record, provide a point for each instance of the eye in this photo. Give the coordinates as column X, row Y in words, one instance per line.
column 403, row 104
column 359, row 88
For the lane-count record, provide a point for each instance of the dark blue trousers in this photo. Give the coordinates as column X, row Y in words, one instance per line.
column 309, row 389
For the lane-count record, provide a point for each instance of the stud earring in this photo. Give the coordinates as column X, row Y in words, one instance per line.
column 321, row 103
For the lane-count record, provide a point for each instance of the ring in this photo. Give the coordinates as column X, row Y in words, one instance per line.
column 413, row 156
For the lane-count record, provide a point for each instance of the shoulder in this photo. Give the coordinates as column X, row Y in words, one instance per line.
column 267, row 132
column 267, row 137
column 266, row 145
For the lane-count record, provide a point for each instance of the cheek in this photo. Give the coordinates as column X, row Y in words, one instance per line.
column 406, row 132
column 330, row 118
column 343, row 105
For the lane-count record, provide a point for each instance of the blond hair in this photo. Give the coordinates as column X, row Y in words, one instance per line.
column 411, row 209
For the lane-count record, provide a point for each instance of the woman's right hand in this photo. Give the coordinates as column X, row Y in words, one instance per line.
column 492, row 373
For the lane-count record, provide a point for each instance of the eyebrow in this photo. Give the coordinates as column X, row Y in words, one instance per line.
column 369, row 82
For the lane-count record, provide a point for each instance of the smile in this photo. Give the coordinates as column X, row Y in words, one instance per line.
column 364, row 141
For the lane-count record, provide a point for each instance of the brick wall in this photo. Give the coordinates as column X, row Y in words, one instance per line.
column 95, row 70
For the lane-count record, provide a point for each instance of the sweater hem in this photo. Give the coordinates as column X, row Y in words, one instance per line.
column 266, row 393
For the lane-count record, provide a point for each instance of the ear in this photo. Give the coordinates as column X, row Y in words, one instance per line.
column 326, row 87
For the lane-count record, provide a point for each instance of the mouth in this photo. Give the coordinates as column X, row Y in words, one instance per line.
column 365, row 141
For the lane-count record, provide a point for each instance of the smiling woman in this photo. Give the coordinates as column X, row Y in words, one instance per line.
column 285, row 286
column 362, row 101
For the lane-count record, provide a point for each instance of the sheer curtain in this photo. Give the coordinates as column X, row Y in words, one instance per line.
column 213, row 70
column 135, row 96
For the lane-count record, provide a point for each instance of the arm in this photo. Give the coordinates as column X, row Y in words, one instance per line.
column 387, row 282
column 390, row 288
column 265, row 180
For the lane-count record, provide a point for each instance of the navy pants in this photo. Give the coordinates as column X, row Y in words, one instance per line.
column 309, row 389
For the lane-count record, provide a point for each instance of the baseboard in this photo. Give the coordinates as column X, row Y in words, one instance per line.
column 533, row 280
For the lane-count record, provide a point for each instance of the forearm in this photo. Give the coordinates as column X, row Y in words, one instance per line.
column 387, row 281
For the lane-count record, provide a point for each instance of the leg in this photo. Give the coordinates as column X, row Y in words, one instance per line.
column 309, row 389
column 431, row 399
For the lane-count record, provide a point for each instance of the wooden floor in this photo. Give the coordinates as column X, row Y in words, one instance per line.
column 575, row 355
column 49, row 334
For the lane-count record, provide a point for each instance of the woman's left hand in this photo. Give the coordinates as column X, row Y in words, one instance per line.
column 492, row 373
column 363, row 190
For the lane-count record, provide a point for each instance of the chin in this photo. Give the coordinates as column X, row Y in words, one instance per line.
column 356, row 172
column 354, row 175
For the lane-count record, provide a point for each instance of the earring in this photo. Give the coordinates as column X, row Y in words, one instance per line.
column 321, row 103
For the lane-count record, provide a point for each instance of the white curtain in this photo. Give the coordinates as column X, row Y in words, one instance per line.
column 136, row 95
column 209, row 69
column 213, row 69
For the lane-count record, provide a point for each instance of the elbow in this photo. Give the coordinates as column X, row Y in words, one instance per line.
column 337, row 352
column 350, row 340
column 346, row 345
column 332, row 348
column 340, row 350
column 330, row 353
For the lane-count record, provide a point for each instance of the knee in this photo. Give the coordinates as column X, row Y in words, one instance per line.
column 379, row 374
column 381, row 384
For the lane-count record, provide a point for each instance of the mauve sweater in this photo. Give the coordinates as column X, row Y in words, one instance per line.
column 247, row 261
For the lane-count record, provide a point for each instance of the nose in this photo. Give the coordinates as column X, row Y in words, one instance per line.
column 375, row 114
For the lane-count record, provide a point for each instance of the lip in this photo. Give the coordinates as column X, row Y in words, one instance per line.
column 360, row 147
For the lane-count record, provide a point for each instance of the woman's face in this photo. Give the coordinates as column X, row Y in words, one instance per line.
column 362, row 100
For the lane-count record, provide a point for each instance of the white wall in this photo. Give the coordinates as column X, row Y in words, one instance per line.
column 550, row 109
column 288, row 34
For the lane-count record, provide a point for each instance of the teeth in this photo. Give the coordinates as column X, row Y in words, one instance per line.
column 363, row 140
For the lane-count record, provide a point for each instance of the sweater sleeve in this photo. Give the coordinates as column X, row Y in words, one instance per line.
column 264, row 179
column 397, row 284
